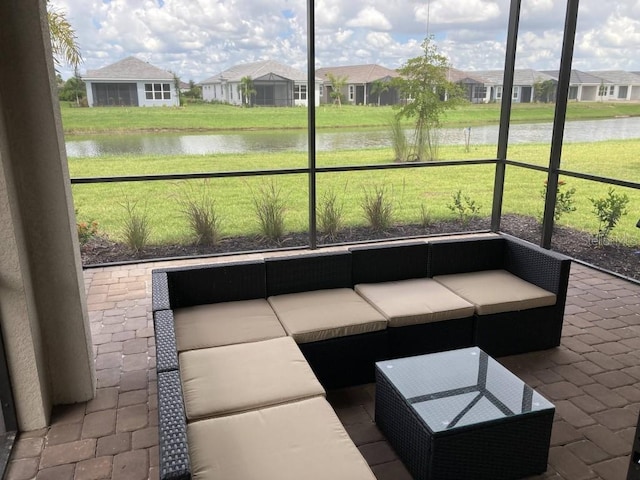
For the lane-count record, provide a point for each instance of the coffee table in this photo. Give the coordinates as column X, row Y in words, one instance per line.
column 462, row 415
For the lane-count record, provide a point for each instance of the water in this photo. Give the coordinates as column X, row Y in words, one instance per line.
column 326, row 140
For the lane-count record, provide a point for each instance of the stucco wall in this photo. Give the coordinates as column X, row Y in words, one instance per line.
column 44, row 316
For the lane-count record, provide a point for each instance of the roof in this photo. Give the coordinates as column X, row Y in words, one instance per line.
column 523, row 76
column 619, row 77
column 130, row 68
column 577, row 77
column 358, row 73
column 458, row 76
column 256, row 70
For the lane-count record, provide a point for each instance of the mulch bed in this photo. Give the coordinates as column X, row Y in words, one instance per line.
column 614, row 257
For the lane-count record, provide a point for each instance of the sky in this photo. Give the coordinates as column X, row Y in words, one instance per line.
column 199, row 38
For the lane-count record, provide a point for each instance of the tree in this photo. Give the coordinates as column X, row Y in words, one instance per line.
column 247, row 90
column 378, row 87
column 544, row 90
column 194, row 92
column 64, row 44
column 73, row 90
column 337, row 84
column 423, row 83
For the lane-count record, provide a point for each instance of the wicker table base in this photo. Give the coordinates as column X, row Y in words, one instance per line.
column 461, row 415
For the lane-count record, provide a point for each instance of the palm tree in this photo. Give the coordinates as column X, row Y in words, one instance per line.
column 378, row 87
column 337, row 84
column 247, row 90
column 64, row 44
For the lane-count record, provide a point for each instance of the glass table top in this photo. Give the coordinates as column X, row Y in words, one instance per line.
column 458, row 388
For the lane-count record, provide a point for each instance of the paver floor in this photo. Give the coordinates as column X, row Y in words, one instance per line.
column 593, row 378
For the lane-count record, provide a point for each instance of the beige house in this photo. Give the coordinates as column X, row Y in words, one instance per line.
column 359, row 85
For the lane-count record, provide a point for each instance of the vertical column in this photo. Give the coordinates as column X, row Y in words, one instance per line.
column 45, row 319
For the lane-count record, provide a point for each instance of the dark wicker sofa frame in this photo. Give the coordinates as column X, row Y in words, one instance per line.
column 350, row 360
column 510, row 332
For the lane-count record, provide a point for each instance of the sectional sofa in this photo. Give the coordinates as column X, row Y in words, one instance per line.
column 245, row 350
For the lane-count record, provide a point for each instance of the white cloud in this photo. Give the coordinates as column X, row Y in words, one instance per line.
column 369, row 17
column 198, row 38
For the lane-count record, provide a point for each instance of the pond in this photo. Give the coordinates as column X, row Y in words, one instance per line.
column 327, row 140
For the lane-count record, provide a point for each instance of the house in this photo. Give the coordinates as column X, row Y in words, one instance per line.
column 474, row 85
column 523, row 84
column 583, row 87
column 359, row 87
column 274, row 85
column 131, row 82
column 617, row 85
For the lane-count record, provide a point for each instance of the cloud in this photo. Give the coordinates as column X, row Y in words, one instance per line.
column 369, row 17
column 199, row 38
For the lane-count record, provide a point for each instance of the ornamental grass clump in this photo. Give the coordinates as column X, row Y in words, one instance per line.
column 269, row 206
column 199, row 207
column 377, row 208
column 136, row 229
column 330, row 214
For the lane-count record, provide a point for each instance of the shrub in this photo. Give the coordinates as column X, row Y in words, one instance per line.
column 464, row 207
column 609, row 210
column 87, row 230
column 564, row 199
column 136, row 229
column 200, row 209
column 330, row 214
column 270, row 208
column 378, row 208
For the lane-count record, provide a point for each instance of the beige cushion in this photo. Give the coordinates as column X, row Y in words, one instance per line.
column 414, row 301
column 225, row 323
column 323, row 314
column 296, row 441
column 235, row 378
column 497, row 291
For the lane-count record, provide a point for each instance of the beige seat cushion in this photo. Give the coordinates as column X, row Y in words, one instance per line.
column 414, row 301
column 225, row 323
column 497, row 291
column 323, row 314
column 235, row 378
column 296, row 441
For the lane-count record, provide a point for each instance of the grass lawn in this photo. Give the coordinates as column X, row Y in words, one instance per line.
column 411, row 191
column 208, row 117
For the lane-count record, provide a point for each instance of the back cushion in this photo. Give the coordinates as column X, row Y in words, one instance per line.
column 389, row 263
column 466, row 255
column 303, row 273
column 227, row 282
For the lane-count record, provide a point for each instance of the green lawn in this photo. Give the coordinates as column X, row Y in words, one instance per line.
column 409, row 190
column 209, row 117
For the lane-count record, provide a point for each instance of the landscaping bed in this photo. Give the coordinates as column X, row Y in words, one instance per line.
column 614, row 257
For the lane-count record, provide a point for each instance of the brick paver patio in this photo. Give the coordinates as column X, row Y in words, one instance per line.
column 593, row 379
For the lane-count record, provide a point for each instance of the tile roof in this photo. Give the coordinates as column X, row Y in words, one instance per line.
column 617, row 77
column 130, row 68
column 459, row 76
column 577, row 76
column 358, row 73
column 524, row 76
column 255, row 70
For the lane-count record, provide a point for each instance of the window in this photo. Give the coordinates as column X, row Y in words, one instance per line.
column 611, row 90
column 300, row 92
column 516, row 93
column 498, row 93
column 479, row 91
column 622, row 92
column 157, row 91
column 352, row 91
column 602, row 91
column 321, row 90
column 573, row 92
